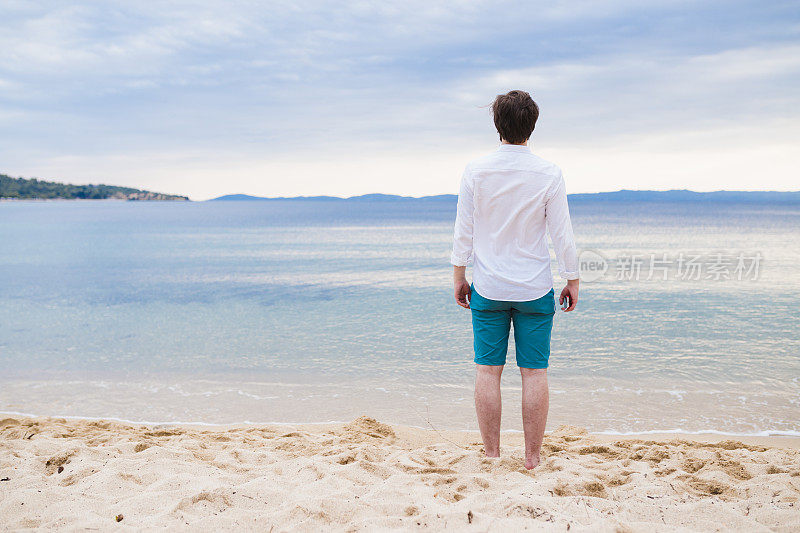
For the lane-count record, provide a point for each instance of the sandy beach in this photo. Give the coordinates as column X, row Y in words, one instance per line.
column 87, row 474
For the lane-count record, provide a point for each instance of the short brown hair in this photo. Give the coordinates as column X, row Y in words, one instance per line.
column 515, row 115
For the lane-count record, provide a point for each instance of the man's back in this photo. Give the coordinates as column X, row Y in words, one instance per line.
column 508, row 200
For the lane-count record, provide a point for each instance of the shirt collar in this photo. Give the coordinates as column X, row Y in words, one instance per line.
column 513, row 148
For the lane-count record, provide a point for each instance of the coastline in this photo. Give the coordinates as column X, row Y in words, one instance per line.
column 94, row 200
column 767, row 437
column 73, row 473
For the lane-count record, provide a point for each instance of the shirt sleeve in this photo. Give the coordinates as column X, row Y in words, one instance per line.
column 559, row 227
column 462, row 234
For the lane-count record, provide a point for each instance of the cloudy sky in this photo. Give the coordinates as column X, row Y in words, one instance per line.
column 344, row 98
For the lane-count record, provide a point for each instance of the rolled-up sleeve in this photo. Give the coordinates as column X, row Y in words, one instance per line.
column 462, row 234
column 559, row 227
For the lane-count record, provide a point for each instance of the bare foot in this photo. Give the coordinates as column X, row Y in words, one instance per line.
column 532, row 462
column 494, row 455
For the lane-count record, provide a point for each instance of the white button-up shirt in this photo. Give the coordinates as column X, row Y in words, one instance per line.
column 508, row 200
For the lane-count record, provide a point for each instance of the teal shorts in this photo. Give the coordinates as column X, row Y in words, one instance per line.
column 533, row 324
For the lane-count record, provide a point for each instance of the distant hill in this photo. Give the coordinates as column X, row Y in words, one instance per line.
column 34, row 189
column 792, row 197
column 683, row 195
column 374, row 197
column 247, row 197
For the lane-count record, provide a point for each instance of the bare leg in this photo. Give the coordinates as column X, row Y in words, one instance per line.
column 535, row 403
column 489, row 406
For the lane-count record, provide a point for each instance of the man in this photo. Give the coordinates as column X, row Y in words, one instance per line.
column 508, row 199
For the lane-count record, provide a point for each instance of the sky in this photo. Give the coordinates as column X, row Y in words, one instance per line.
column 345, row 98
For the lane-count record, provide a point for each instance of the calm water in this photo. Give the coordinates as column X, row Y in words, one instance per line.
column 315, row 311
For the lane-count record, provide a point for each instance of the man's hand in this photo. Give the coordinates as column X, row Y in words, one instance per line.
column 571, row 292
column 461, row 286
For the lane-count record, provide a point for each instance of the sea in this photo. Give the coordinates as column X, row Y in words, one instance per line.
column 306, row 311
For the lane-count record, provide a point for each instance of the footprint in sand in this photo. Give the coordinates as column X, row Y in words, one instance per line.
column 53, row 463
column 703, row 487
column 216, row 500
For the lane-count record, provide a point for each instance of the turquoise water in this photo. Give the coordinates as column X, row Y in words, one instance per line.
column 225, row 312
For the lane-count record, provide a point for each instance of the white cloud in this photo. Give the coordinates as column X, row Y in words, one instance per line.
column 598, row 99
column 357, row 97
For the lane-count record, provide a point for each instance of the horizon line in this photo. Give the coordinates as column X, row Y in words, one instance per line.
column 245, row 196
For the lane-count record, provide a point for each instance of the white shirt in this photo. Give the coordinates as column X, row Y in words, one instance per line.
column 508, row 200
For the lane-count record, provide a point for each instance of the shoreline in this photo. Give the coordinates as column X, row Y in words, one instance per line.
column 94, row 200
column 68, row 473
column 791, row 438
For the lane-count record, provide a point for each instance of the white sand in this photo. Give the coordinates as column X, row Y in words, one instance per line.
column 77, row 474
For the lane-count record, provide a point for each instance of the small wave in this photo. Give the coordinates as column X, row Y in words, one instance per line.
column 673, row 431
column 172, row 423
column 765, row 433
